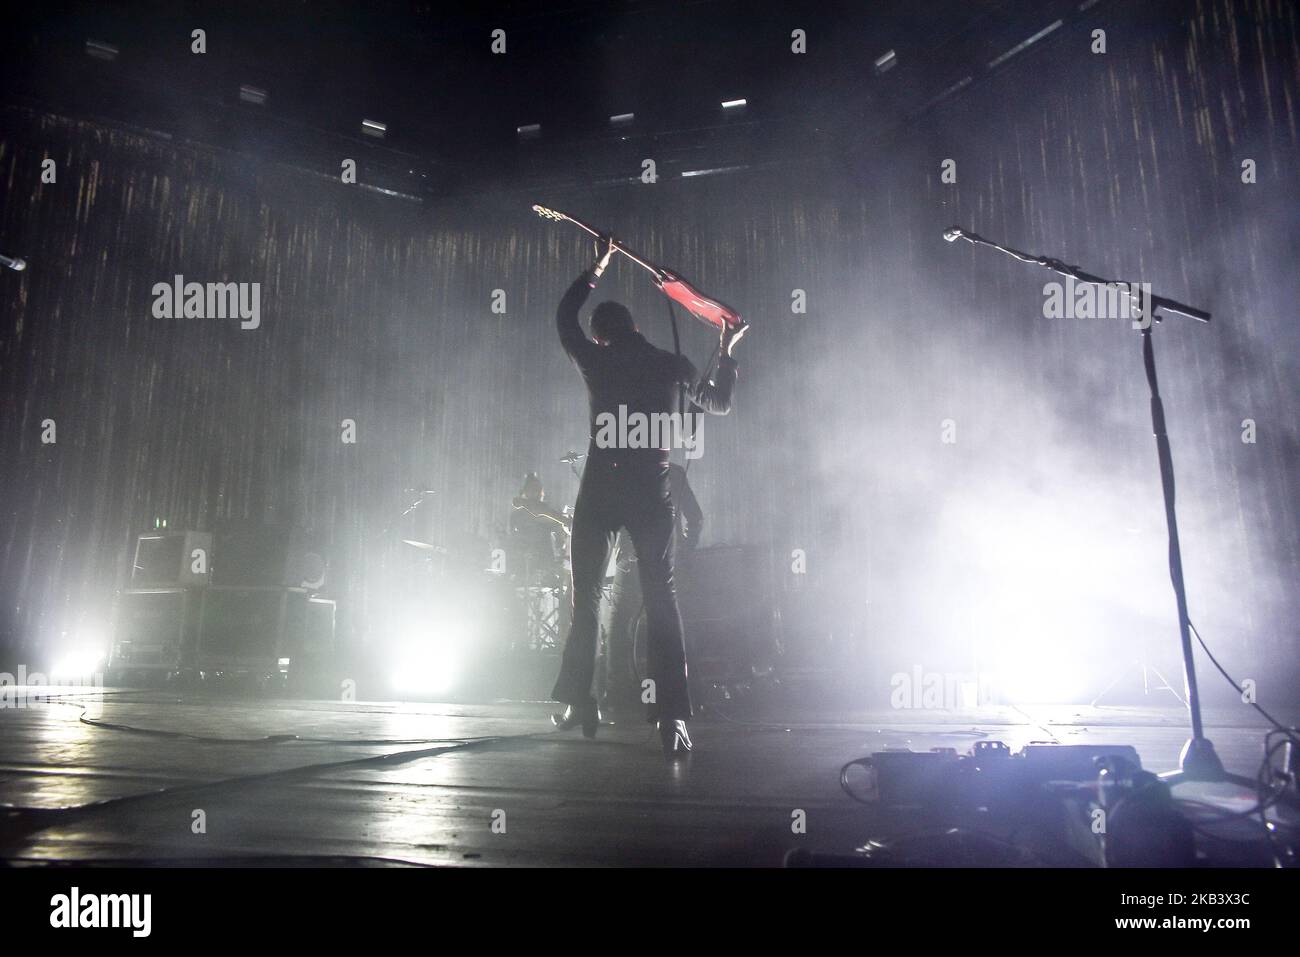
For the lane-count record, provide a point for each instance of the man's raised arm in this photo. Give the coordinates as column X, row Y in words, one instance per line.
column 574, row 340
column 714, row 396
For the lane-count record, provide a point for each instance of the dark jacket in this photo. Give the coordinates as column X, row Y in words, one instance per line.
column 636, row 375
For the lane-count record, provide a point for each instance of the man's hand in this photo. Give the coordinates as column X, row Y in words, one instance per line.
column 731, row 335
column 603, row 260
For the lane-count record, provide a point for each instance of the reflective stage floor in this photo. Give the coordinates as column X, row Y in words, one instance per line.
column 152, row 777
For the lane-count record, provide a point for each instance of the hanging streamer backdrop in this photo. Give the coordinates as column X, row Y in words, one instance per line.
column 1040, row 525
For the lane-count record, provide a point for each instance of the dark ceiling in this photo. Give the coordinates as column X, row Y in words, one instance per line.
column 452, row 107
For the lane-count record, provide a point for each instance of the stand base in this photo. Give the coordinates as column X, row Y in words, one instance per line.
column 1199, row 762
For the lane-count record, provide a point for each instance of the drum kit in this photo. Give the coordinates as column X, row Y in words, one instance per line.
column 532, row 584
column 518, row 596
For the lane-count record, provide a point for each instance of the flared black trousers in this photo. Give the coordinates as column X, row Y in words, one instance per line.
column 633, row 495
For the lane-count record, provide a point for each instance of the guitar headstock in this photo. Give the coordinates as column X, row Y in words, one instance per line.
column 545, row 213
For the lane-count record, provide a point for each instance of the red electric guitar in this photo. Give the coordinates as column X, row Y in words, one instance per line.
column 702, row 307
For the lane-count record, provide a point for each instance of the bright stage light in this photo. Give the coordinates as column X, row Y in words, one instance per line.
column 1055, row 600
column 426, row 671
column 429, row 659
column 77, row 663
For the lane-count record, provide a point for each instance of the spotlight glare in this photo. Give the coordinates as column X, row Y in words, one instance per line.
column 77, row 663
column 426, row 671
column 429, row 660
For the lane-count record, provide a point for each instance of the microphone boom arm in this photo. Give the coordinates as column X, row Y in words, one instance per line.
column 1074, row 272
column 1198, row 760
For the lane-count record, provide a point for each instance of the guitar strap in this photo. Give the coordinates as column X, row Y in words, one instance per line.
column 681, row 387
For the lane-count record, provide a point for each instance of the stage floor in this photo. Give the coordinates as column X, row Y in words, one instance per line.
column 492, row 784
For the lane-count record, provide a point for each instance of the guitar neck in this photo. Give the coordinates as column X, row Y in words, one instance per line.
column 620, row 246
column 710, row 311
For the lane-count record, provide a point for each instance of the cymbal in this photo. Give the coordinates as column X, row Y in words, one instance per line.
column 425, row 546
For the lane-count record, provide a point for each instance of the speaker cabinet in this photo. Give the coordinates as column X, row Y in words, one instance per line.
column 262, row 556
column 152, row 630
column 165, row 559
column 725, row 597
column 262, row 630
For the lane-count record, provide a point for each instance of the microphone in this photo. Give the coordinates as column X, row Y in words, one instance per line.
column 17, row 265
column 953, row 233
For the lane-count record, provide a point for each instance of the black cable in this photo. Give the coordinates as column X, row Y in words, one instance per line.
column 681, row 386
column 1240, row 690
column 162, row 733
column 677, row 349
column 844, row 780
column 1266, row 795
column 70, row 699
column 274, row 738
column 12, row 813
column 1263, row 798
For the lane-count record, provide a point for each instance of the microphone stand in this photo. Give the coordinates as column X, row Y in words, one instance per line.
column 1198, row 760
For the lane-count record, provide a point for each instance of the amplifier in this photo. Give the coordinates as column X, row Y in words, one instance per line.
column 308, row 638
column 264, row 556
column 171, row 558
column 726, row 610
column 722, row 582
column 152, row 630
column 264, row 630
column 724, row 595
